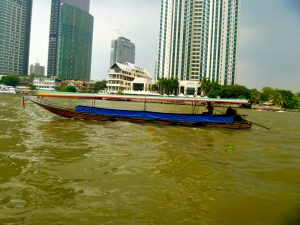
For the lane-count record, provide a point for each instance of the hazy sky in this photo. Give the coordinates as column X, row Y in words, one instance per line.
column 269, row 49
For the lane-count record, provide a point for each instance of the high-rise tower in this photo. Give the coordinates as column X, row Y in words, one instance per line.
column 70, row 40
column 122, row 51
column 15, row 25
column 198, row 39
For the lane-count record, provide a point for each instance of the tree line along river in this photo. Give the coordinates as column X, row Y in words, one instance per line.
column 59, row 171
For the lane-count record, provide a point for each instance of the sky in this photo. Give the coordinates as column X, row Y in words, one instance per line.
column 269, row 47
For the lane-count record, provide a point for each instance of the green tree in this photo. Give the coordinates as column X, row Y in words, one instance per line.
column 119, row 92
column 205, row 86
column 279, row 97
column 214, row 90
column 297, row 100
column 10, row 80
column 162, row 84
column 286, row 96
column 25, row 80
column 31, row 87
column 235, row 91
column 68, row 88
column 210, row 88
column 154, row 87
column 255, row 96
column 168, row 86
column 99, row 85
column 174, row 85
column 294, row 103
column 267, row 94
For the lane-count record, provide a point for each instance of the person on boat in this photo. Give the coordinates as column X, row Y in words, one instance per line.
column 210, row 108
column 232, row 112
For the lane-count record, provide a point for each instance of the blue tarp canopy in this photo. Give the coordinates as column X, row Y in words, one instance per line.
column 155, row 115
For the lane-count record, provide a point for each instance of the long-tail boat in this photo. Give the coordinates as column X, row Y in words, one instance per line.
column 106, row 114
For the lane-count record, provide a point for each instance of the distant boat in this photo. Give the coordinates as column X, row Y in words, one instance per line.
column 270, row 109
column 4, row 89
column 106, row 114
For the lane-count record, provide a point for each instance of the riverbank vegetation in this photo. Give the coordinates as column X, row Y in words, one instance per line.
column 279, row 97
column 11, row 80
column 166, row 86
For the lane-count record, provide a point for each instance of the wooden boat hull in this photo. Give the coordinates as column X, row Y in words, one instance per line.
column 70, row 113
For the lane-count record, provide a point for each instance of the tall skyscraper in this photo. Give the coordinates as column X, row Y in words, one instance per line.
column 199, row 39
column 37, row 69
column 122, row 51
column 15, row 25
column 70, row 40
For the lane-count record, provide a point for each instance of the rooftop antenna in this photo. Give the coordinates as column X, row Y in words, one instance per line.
column 120, row 35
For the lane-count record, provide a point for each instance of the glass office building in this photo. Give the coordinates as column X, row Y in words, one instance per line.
column 122, row 51
column 15, row 25
column 70, row 40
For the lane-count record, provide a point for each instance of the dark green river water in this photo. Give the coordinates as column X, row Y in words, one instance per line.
column 59, row 171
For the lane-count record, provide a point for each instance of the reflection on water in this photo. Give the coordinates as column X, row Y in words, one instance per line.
column 60, row 171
